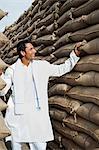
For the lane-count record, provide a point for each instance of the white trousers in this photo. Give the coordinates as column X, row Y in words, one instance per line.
column 33, row 146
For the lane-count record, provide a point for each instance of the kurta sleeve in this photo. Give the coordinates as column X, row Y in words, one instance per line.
column 7, row 77
column 59, row 70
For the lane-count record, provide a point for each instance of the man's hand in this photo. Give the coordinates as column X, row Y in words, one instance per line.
column 76, row 50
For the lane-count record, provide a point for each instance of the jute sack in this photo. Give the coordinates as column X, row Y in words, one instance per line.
column 47, row 30
column 64, row 18
column 83, row 140
column 90, row 112
column 58, row 114
column 83, row 125
column 3, row 105
column 62, row 41
column 92, row 47
column 59, row 89
column 3, row 40
column 2, row 145
column 46, row 40
column 46, row 51
column 90, row 78
column 3, row 65
column 2, row 83
column 65, row 142
column 46, row 21
column 2, row 14
column 86, row 8
column 51, row 58
column 64, row 50
column 88, row 63
column 91, row 18
column 71, row 3
column 11, row 60
column 71, row 26
column 4, row 131
column 52, row 145
column 53, row 8
column 85, row 94
column 63, row 130
column 88, row 34
column 65, row 103
column 48, row 3
column 69, row 78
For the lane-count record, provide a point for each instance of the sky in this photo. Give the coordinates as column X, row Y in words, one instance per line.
column 15, row 8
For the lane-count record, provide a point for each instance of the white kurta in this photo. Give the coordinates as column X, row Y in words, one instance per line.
column 34, row 125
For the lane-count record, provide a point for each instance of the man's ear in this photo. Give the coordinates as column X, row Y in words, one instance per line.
column 22, row 53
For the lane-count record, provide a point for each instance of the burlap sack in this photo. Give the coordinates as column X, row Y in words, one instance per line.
column 46, row 30
column 81, row 139
column 88, row 63
column 11, row 60
column 2, row 83
column 2, row 145
column 3, row 65
column 58, row 114
column 58, row 89
column 53, row 145
column 48, row 3
column 4, row 131
column 51, row 58
column 3, row 40
column 90, row 112
column 78, row 141
column 71, row 26
column 2, row 14
column 91, row 18
column 53, row 8
column 46, row 51
column 85, row 94
column 83, row 125
column 86, row 8
column 46, row 21
column 92, row 47
column 64, row 18
column 62, row 41
column 65, row 103
column 64, row 50
column 90, row 78
column 70, row 78
column 38, row 15
column 46, row 40
column 3, row 105
column 71, row 3
column 65, row 143
column 88, row 34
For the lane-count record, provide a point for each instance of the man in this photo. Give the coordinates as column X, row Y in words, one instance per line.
column 27, row 114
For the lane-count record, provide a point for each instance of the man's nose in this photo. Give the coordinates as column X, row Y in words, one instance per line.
column 34, row 50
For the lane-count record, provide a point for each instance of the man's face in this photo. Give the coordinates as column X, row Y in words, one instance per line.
column 29, row 52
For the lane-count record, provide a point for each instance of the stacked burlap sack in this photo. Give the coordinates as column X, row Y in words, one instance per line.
column 54, row 27
column 4, row 131
column 2, row 14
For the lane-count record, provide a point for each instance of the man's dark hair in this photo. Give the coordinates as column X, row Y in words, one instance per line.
column 21, row 46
